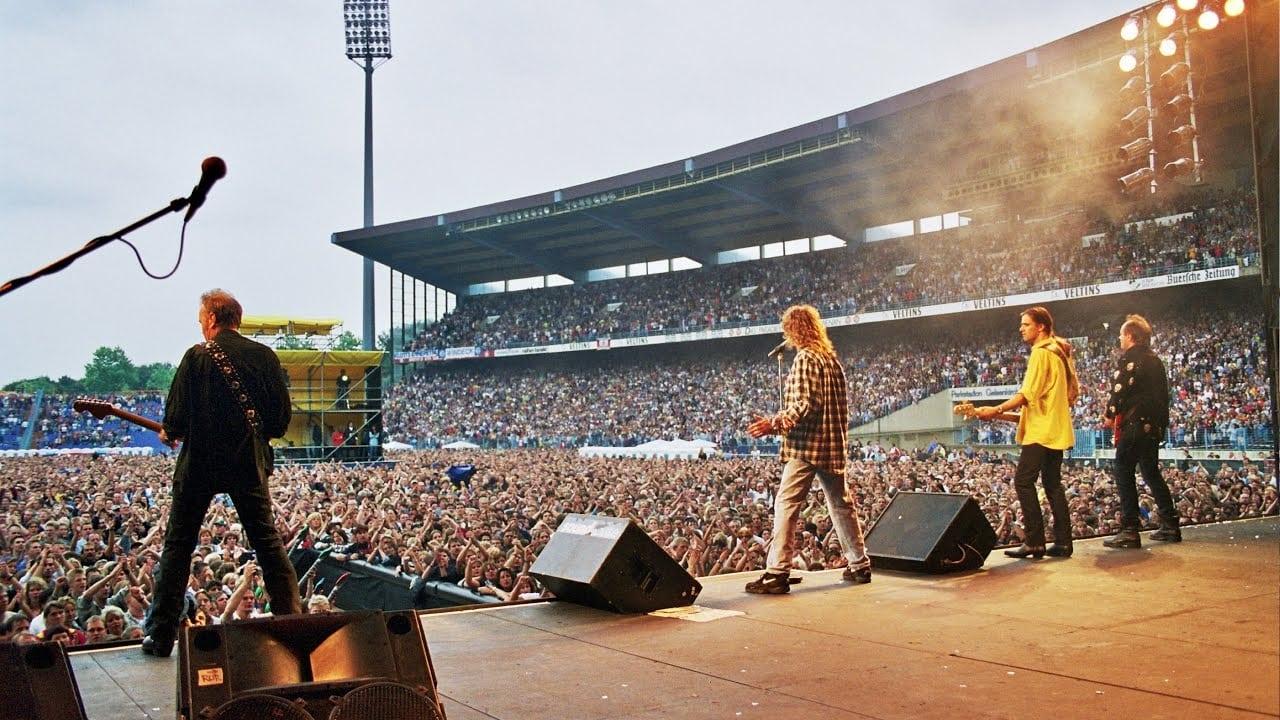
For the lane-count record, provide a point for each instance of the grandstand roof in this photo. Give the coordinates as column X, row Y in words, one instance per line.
column 922, row 152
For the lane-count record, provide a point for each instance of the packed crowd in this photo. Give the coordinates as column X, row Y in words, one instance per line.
column 80, row 535
column 1216, row 360
column 974, row 261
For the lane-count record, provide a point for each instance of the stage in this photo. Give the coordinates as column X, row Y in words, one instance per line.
column 1168, row 631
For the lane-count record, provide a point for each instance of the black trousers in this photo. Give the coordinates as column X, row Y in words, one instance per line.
column 1137, row 451
column 253, row 507
column 1038, row 460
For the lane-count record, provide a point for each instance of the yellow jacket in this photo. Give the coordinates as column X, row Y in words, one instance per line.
column 1049, row 387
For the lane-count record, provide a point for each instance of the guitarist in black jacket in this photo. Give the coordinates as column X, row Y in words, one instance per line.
column 1138, row 411
column 218, row 456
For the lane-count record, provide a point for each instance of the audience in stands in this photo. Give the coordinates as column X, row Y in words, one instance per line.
column 1216, row 361
column 974, row 261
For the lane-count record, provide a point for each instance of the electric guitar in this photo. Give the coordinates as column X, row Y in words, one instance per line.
column 100, row 410
column 968, row 411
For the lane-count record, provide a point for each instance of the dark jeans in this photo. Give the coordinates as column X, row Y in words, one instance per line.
column 253, row 506
column 1140, row 452
column 1038, row 460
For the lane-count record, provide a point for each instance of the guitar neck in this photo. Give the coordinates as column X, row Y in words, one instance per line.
column 136, row 419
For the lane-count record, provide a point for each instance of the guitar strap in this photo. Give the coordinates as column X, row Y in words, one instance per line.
column 232, row 377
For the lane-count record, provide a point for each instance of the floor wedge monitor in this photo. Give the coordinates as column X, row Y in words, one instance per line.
column 930, row 533
column 611, row 564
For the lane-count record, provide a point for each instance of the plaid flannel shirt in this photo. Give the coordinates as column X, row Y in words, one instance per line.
column 814, row 421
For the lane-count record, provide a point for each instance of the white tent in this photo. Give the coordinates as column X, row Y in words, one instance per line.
column 396, row 445
column 665, row 449
column 460, row 445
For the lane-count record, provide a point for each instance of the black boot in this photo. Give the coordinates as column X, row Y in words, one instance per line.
column 1127, row 537
column 1025, row 550
column 1168, row 532
column 1060, row 549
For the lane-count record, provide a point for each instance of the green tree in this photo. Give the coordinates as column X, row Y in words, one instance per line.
column 31, row 385
column 297, row 342
column 110, row 370
column 347, row 341
column 63, row 386
column 156, row 376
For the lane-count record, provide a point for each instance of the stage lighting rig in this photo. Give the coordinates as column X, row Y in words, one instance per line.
column 1168, row 96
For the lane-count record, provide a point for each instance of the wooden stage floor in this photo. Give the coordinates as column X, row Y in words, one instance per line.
column 1168, row 631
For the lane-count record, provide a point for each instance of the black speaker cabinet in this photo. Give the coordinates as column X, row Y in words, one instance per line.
column 346, row 665
column 611, row 564
column 36, row 683
column 930, row 533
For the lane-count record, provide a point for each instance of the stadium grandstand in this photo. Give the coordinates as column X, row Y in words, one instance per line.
column 640, row 308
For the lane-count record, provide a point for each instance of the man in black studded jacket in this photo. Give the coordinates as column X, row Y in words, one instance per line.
column 1138, row 411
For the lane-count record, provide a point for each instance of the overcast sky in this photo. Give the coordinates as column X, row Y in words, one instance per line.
column 110, row 107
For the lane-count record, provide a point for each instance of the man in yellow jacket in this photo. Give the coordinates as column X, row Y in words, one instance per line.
column 1044, row 431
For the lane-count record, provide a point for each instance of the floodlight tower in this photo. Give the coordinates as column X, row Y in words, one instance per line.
column 368, row 26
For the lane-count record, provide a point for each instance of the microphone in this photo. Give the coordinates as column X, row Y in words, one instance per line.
column 778, row 350
column 212, row 170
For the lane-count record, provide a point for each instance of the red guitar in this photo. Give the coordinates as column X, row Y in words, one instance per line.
column 100, row 409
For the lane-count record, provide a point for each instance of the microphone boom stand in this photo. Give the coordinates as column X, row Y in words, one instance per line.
column 174, row 206
column 781, row 404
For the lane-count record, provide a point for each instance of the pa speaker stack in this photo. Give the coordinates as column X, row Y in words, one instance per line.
column 611, row 564
column 332, row 666
column 930, row 533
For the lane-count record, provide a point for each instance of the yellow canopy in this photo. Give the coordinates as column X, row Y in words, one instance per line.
column 281, row 325
column 352, row 358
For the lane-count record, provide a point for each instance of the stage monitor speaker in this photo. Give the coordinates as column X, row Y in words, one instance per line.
column 36, row 683
column 611, row 564
column 297, row 667
column 930, row 533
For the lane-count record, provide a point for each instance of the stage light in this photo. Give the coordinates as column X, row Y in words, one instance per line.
column 1168, row 46
column 1134, row 86
column 1167, row 15
column 1182, row 134
column 1179, row 103
column 1179, row 167
column 1187, row 5
column 1128, row 62
column 1233, row 8
column 1131, row 150
column 1129, row 31
column 1135, row 117
column 1136, row 178
column 1176, row 76
column 1208, row 19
